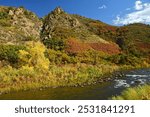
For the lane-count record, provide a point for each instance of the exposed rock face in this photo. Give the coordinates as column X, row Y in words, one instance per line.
column 59, row 24
column 58, row 19
column 18, row 25
column 57, row 11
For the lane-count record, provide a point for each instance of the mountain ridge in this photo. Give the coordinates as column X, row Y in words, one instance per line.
column 19, row 25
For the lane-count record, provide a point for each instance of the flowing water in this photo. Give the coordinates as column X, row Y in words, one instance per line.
column 99, row 91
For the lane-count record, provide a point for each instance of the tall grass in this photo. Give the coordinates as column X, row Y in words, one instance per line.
column 68, row 75
column 137, row 93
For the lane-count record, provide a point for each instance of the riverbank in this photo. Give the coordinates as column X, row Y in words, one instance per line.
column 136, row 93
column 57, row 76
column 98, row 91
column 27, row 78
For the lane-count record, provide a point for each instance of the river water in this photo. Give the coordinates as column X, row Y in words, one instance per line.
column 100, row 91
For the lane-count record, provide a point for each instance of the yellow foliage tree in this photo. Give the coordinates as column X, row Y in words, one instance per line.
column 34, row 55
column 24, row 57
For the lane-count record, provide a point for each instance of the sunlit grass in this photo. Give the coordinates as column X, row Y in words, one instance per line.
column 137, row 93
column 28, row 78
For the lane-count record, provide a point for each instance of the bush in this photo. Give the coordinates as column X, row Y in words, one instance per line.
column 3, row 15
column 34, row 56
column 91, row 57
column 59, row 57
column 56, row 44
column 124, row 59
column 10, row 53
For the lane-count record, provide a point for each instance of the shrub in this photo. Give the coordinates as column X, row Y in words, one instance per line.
column 3, row 15
column 34, row 56
column 24, row 57
column 56, row 44
column 91, row 57
column 59, row 57
column 124, row 59
column 10, row 53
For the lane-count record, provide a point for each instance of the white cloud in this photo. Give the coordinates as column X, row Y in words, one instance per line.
column 140, row 15
column 102, row 7
column 138, row 5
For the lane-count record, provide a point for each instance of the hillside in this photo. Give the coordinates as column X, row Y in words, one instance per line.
column 18, row 25
column 92, row 34
column 139, row 36
column 76, row 30
column 64, row 49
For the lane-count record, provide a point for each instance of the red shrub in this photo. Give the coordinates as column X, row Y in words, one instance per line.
column 107, row 48
column 76, row 46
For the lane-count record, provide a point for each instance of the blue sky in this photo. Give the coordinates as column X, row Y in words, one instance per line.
column 114, row 12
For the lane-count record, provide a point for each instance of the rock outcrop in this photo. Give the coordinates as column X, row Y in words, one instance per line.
column 58, row 19
column 18, row 25
column 72, row 29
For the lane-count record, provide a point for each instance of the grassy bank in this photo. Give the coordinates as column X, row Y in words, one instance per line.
column 33, row 66
column 68, row 75
column 137, row 93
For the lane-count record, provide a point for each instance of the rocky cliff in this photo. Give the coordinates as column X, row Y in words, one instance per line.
column 18, row 25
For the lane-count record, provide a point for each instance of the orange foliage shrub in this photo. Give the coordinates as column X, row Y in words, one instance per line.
column 144, row 46
column 76, row 46
column 107, row 48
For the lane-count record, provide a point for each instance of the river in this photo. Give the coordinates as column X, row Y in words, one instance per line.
column 99, row 91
